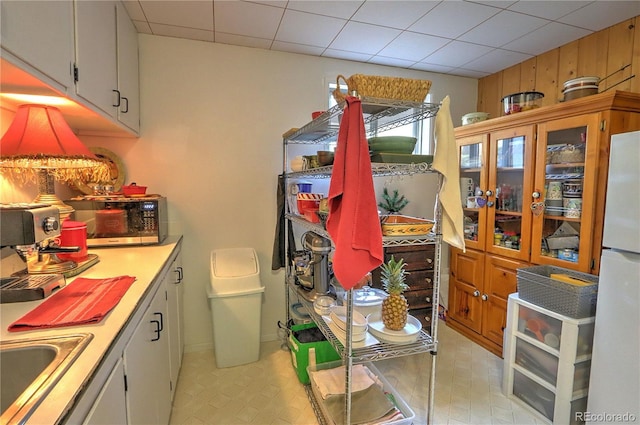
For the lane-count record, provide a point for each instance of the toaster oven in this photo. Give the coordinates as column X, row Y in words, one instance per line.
column 117, row 221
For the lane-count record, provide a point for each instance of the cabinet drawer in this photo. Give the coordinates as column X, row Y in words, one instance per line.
column 537, row 361
column 420, row 279
column 419, row 299
column 424, row 316
column 540, row 326
column 534, row 394
column 416, row 257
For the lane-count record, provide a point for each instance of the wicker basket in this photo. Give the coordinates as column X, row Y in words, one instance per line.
column 383, row 87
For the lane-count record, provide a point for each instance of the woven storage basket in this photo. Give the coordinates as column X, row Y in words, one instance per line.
column 383, row 87
column 536, row 286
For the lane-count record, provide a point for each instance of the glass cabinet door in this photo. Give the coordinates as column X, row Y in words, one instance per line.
column 508, row 192
column 472, row 153
column 567, row 152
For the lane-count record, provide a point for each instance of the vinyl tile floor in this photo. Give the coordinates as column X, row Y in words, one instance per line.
column 468, row 387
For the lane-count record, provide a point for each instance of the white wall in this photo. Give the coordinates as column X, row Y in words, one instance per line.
column 211, row 141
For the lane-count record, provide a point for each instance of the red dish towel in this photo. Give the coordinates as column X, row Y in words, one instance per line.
column 353, row 221
column 84, row 301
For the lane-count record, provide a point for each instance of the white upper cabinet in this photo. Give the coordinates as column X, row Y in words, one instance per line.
column 97, row 79
column 128, row 74
column 39, row 34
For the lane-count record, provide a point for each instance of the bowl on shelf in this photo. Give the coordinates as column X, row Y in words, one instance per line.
column 474, row 117
column 325, row 158
column 520, row 102
column 392, row 144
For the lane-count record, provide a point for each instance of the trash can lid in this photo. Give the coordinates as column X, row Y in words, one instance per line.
column 234, row 262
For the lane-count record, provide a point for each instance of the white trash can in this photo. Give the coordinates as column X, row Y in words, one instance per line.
column 235, row 297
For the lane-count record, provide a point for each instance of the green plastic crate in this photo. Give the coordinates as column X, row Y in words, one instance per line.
column 311, row 353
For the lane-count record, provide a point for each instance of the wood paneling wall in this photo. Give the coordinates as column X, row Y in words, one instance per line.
column 601, row 54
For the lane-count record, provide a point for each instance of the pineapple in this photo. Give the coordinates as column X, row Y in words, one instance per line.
column 394, row 307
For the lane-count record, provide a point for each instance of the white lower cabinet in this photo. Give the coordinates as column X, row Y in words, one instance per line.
column 146, row 365
column 137, row 379
column 547, row 361
column 175, row 289
column 108, row 408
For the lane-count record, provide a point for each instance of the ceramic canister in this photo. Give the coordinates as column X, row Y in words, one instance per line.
column 554, row 190
column 572, row 207
column 74, row 233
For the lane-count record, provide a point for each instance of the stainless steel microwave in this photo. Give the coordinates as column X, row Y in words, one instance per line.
column 117, row 221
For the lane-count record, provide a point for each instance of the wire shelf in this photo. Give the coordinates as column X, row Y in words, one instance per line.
column 386, row 114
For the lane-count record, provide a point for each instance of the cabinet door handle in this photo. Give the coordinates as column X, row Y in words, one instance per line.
column 161, row 322
column 427, row 299
column 489, row 193
column 429, row 260
column 117, row 105
column 180, row 275
column 126, row 103
column 157, row 330
column 484, row 297
column 427, row 280
column 476, row 293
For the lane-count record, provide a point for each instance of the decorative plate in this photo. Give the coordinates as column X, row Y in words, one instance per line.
column 116, row 167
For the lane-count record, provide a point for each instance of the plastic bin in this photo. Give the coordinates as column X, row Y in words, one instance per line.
column 235, row 297
column 536, row 286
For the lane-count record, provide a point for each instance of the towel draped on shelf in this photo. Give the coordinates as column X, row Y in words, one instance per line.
column 445, row 161
column 83, row 302
column 353, row 223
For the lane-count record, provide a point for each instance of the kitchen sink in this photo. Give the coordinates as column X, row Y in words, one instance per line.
column 30, row 368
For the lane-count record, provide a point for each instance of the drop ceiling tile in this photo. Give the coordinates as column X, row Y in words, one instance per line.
column 134, row 10
column 383, row 60
column 248, row 19
column 307, row 28
column 457, row 53
column 191, row 14
column 496, row 60
column 363, row 38
column 422, row 66
column 512, row 25
column 181, row 32
column 241, row 40
column 337, row 8
column 602, row 14
column 277, row 3
column 469, row 73
column 546, row 38
column 413, row 46
column 393, row 14
column 342, row 54
column 453, row 18
column 297, row 48
column 142, row 27
column 547, row 9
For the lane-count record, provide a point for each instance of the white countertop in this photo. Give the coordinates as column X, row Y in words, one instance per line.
column 142, row 262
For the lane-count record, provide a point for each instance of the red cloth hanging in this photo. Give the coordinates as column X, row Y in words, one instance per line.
column 353, row 223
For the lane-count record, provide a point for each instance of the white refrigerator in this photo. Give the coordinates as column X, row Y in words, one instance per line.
column 614, row 386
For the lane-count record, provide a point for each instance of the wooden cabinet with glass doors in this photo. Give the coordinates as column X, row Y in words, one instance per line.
column 533, row 187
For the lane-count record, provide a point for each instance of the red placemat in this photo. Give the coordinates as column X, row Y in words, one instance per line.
column 84, row 301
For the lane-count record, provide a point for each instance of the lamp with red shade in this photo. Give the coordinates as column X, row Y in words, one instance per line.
column 40, row 144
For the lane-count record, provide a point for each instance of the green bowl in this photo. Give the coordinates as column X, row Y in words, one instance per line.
column 392, row 144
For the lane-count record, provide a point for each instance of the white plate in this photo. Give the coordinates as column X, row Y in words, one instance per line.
column 405, row 336
column 341, row 334
column 339, row 315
